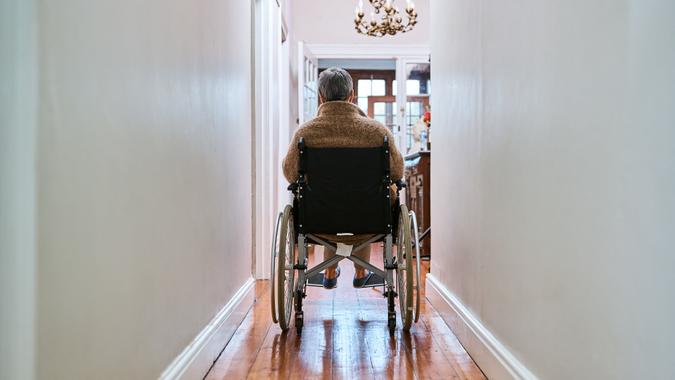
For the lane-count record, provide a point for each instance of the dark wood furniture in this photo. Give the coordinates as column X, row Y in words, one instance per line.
column 418, row 178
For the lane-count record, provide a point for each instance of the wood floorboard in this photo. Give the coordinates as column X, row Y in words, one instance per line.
column 345, row 336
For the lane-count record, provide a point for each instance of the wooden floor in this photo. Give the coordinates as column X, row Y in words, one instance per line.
column 345, row 336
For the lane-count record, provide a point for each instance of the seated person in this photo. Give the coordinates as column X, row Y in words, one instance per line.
column 342, row 124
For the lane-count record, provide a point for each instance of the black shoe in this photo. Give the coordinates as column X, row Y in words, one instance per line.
column 368, row 281
column 330, row 283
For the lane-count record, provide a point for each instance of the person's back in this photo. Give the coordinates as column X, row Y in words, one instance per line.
column 342, row 124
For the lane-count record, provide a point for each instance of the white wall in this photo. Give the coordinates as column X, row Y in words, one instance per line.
column 554, row 190
column 144, row 180
column 18, row 124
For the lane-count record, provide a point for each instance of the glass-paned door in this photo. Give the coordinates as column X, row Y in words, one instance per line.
column 417, row 129
column 367, row 88
column 417, row 117
column 381, row 108
column 308, row 98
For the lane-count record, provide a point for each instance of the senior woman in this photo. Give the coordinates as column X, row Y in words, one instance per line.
column 342, row 124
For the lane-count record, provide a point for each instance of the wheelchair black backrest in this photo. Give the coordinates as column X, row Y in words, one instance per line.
column 343, row 190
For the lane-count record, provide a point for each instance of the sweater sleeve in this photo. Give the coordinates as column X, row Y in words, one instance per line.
column 290, row 163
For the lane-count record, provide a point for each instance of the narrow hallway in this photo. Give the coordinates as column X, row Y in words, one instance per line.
column 143, row 165
column 344, row 337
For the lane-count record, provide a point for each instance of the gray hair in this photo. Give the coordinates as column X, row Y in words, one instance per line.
column 335, row 84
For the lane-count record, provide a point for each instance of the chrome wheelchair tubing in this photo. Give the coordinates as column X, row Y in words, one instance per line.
column 368, row 242
column 389, row 284
column 389, row 263
column 318, row 268
column 335, row 259
column 302, row 260
column 300, row 285
column 367, row 265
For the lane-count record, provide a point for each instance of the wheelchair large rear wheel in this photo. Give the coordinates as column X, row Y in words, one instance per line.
column 274, row 257
column 404, row 268
column 417, row 287
column 284, row 275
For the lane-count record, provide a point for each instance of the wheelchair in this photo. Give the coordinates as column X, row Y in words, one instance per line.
column 345, row 191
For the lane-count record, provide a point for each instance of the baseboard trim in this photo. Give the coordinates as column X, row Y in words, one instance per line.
column 493, row 358
column 196, row 359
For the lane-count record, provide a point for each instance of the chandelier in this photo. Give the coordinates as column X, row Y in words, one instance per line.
column 390, row 22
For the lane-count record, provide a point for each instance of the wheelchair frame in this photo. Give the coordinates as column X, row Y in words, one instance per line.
column 288, row 291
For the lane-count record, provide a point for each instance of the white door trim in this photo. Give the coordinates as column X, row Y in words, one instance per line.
column 267, row 52
column 362, row 51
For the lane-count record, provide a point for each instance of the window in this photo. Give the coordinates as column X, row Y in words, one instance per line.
column 384, row 113
column 412, row 87
column 369, row 87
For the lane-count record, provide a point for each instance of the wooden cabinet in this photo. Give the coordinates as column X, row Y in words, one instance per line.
column 418, row 179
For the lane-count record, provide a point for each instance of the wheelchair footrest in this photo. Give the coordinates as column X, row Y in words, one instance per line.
column 316, row 280
column 373, row 281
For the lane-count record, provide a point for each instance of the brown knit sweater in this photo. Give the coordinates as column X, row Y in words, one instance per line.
column 341, row 124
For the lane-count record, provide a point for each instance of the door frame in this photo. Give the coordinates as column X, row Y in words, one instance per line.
column 418, row 53
column 270, row 128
